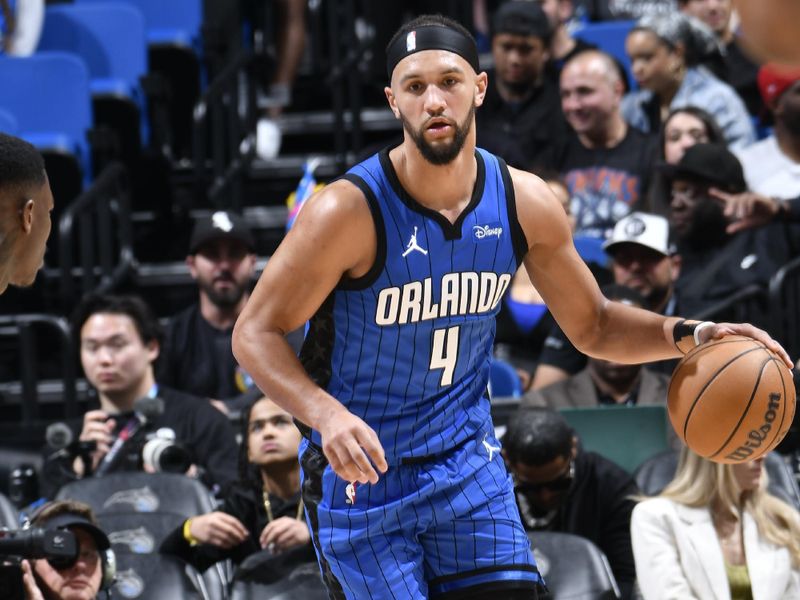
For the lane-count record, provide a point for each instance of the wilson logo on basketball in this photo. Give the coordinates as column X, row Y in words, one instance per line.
column 756, row 437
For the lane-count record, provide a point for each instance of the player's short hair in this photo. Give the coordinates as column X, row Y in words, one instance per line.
column 428, row 21
column 536, row 436
column 21, row 167
column 147, row 326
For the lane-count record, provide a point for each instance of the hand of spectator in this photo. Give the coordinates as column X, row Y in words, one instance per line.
column 32, row 591
column 349, row 444
column 219, row 529
column 284, row 534
column 719, row 330
column 747, row 209
column 98, row 428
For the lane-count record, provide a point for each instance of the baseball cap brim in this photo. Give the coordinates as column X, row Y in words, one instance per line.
column 71, row 521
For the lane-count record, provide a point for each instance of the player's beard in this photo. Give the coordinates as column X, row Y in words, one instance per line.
column 445, row 153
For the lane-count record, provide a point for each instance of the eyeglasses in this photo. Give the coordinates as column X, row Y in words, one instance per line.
column 559, row 484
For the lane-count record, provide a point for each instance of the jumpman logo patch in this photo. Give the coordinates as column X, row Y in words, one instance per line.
column 489, row 448
column 412, row 245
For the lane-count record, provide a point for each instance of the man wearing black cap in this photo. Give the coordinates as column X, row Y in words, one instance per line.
column 86, row 576
column 715, row 263
column 520, row 119
column 197, row 355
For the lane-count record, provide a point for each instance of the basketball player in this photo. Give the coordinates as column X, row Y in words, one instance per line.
column 25, row 205
column 400, row 265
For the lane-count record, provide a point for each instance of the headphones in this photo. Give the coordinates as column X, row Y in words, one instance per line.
column 108, row 560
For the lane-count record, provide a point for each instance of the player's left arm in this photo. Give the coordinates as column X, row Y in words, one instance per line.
column 597, row 326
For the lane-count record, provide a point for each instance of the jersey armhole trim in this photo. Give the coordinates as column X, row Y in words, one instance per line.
column 368, row 278
column 518, row 240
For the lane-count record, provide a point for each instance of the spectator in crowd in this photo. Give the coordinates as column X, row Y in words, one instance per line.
column 665, row 54
column 119, row 342
column 603, row 382
column 606, row 162
column 560, row 487
column 563, row 45
column 197, row 357
column 25, row 205
column 642, row 259
column 524, row 321
column 21, row 23
column 772, row 165
column 714, row 263
column 739, row 69
column 263, row 509
column 520, row 119
column 683, row 127
column 85, row 577
column 716, row 532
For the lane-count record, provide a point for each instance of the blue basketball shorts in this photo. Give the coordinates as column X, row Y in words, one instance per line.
column 447, row 527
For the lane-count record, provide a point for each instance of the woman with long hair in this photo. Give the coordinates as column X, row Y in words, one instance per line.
column 263, row 509
column 715, row 532
column 684, row 127
column 667, row 52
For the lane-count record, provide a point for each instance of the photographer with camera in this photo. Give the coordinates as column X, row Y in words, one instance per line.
column 86, row 574
column 139, row 425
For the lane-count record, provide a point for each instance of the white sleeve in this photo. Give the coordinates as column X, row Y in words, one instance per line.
column 655, row 552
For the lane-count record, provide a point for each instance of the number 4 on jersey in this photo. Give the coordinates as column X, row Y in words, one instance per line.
column 444, row 353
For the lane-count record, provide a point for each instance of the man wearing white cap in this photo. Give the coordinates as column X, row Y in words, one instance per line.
column 641, row 259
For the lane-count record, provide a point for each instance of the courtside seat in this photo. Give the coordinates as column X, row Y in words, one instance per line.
column 303, row 581
column 156, row 578
column 503, row 380
column 141, row 492
column 627, row 435
column 573, row 567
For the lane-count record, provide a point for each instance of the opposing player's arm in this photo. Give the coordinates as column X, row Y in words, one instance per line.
column 595, row 325
column 333, row 237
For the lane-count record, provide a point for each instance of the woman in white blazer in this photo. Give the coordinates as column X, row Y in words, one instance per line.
column 715, row 533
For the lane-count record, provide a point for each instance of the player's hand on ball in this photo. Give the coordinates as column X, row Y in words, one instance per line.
column 349, row 445
column 284, row 534
column 719, row 330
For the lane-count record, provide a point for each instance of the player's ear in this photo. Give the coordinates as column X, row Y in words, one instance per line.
column 392, row 102
column 26, row 216
column 481, row 84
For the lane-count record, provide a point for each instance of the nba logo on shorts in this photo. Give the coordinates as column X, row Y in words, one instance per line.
column 350, row 491
column 411, row 41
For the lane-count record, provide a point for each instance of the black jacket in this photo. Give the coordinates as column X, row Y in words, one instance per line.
column 598, row 507
column 206, row 433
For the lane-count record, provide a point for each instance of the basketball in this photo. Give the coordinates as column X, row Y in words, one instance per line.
column 770, row 29
column 731, row 400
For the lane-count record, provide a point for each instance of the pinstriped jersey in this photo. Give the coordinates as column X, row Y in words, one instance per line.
column 407, row 347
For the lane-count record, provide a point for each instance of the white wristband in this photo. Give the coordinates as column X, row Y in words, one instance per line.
column 698, row 328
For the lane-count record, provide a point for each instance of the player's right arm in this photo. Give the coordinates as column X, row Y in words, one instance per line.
column 333, row 238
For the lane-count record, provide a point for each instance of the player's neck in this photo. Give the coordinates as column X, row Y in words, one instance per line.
column 443, row 188
column 281, row 480
column 221, row 317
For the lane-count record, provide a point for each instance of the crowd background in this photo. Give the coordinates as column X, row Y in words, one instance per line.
column 181, row 139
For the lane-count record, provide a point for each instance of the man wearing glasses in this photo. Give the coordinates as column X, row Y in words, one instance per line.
column 560, row 487
column 81, row 579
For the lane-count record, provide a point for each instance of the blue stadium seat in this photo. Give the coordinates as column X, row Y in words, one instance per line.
column 503, row 380
column 109, row 37
column 48, row 94
column 610, row 36
column 8, row 122
column 175, row 22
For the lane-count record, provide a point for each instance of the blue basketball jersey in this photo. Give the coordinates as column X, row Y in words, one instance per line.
column 407, row 347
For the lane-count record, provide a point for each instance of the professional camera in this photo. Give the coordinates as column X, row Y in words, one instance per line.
column 161, row 452
column 58, row 546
